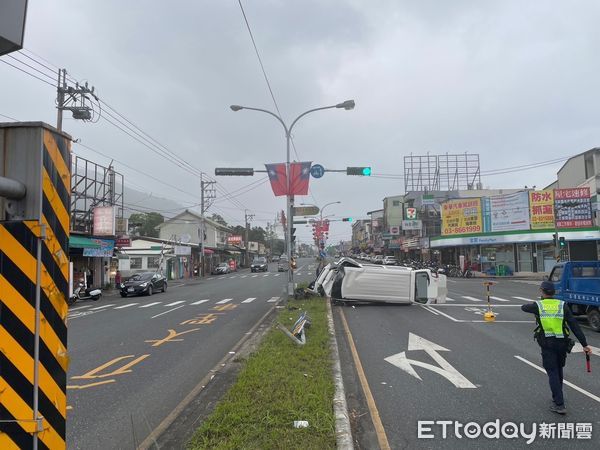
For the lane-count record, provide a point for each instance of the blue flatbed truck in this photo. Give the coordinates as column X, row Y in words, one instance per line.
column 578, row 284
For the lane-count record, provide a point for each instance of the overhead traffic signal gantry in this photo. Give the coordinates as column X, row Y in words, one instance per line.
column 364, row 171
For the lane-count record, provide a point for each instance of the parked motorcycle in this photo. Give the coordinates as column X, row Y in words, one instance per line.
column 83, row 293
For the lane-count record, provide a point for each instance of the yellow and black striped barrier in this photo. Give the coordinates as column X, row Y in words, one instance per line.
column 34, row 285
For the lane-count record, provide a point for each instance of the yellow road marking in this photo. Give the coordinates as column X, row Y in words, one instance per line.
column 228, row 307
column 120, row 371
column 172, row 334
column 201, row 319
column 379, row 430
column 84, row 386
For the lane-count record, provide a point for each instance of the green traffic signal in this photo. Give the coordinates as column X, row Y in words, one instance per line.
column 366, row 171
column 360, row 171
column 561, row 241
column 347, row 219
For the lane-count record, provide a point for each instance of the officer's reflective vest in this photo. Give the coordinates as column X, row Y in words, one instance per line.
column 551, row 317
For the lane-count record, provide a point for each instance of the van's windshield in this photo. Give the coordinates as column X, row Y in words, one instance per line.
column 556, row 274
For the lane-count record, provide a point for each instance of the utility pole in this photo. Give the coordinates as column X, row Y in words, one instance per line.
column 247, row 219
column 207, row 196
column 72, row 99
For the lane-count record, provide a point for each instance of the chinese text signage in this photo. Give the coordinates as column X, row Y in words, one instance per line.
column 461, row 216
column 573, row 208
column 541, row 209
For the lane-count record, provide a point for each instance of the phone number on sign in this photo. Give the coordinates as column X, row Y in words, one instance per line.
column 462, row 230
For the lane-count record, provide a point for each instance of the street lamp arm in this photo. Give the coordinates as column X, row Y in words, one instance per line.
column 308, row 112
column 265, row 111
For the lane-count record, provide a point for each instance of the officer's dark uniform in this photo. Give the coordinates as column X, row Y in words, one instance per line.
column 554, row 349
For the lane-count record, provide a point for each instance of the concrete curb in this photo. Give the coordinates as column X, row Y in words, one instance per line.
column 343, row 430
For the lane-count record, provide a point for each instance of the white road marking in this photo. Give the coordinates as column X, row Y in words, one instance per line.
column 448, row 299
column 102, row 307
column 148, row 305
column 178, row 302
column 244, row 276
column 473, row 299
column 232, row 277
column 309, row 273
column 577, row 388
column 450, row 281
column 443, row 368
column 431, row 310
column 524, row 299
column 78, row 308
column 449, row 317
column 173, row 286
column 199, row 302
column 277, row 274
column 299, row 274
column 166, row 312
column 499, row 299
column 127, row 305
column 272, row 299
column 513, row 305
column 225, row 300
column 266, row 275
column 249, row 300
column 254, row 276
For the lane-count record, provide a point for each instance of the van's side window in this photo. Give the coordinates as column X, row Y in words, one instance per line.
column 556, row 274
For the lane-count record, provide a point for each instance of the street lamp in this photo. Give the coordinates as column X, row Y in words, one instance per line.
column 347, row 105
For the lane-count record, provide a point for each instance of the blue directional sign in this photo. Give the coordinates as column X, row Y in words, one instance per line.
column 317, row 170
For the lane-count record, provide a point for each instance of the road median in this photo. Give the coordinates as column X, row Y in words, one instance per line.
column 283, row 396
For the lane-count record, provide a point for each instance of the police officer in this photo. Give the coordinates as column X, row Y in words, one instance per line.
column 554, row 319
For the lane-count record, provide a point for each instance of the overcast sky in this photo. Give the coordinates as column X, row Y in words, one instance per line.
column 515, row 82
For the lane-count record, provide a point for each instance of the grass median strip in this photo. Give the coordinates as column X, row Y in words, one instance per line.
column 280, row 383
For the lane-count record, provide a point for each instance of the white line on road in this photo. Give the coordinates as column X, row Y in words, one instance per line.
column 167, row 311
column 499, row 299
column 78, row 308
column 309, row 273
column 254, row 276
column 524, row 299
column 449, row 317
column 448, row 299
column 102, row 307
column 266, row 275
column 148, row 305
column 173, row 286
column 473, row 299
column 244, row 276
column 277, row 274
column 199, row 302
column 577, row 388
column 431, row 310
column 178, row 302
column 514, row 305
column 234, row 276
column 249, row 300
column 299, row 274
column 450, row 281
column 225, row 300
column 272, row 299
column 127, row 305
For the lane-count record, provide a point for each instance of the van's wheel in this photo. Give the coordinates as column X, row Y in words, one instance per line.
column 594, row 319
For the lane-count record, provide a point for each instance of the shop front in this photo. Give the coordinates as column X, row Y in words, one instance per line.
column 90, row 260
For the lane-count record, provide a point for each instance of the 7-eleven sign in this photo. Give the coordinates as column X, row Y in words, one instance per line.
column 411, row 213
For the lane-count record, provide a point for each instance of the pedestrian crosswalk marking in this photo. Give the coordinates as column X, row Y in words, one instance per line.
column 499, row 299
column 266, row 275
column 150, row 304
column 473, row 299
column 254, row 276
column 524, row 299
column 272, row 299
column 127, row 305
column 225, row 300
column 277, row 274
column 175, row 303
column 234, row 276
column 101, row 307
column 199, row 302
column 244, row 276
column 249, row 300
column 448, row 299
column 299, row 274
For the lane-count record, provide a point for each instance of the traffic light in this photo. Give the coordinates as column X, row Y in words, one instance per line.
column 234, row 171
column 292, row 235
column 361, row 171
column 561, row 242
column 554, row 238
column 347, row 219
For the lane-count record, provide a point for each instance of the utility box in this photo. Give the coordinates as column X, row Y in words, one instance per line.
column 34, row 284
column 12, row 25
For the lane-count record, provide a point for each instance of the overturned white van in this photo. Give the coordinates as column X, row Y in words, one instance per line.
column 350, row 281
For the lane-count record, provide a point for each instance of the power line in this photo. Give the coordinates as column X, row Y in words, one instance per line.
column 11, row 118
column 28, row 73
column 34, row 68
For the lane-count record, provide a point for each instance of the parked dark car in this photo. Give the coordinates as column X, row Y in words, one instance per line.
column 221, row 269
column 259, row 265
column 143, row 283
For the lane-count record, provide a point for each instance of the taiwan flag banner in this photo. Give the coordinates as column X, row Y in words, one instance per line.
column 278, row 178
column 299, row 177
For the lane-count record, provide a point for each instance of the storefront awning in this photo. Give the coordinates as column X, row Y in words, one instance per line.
column 82, row 242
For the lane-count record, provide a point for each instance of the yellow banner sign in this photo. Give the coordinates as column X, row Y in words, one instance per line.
column 461, row 216
column 541, row 209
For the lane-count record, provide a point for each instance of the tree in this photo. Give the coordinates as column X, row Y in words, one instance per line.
column 256, row 234
column 239, row 230
column 218, row 218
column 144, row 224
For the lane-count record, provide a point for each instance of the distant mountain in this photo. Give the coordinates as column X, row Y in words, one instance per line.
column 137, row 201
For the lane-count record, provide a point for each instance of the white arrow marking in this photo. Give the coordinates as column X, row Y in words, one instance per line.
column 445, row 369
column 579, row 349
